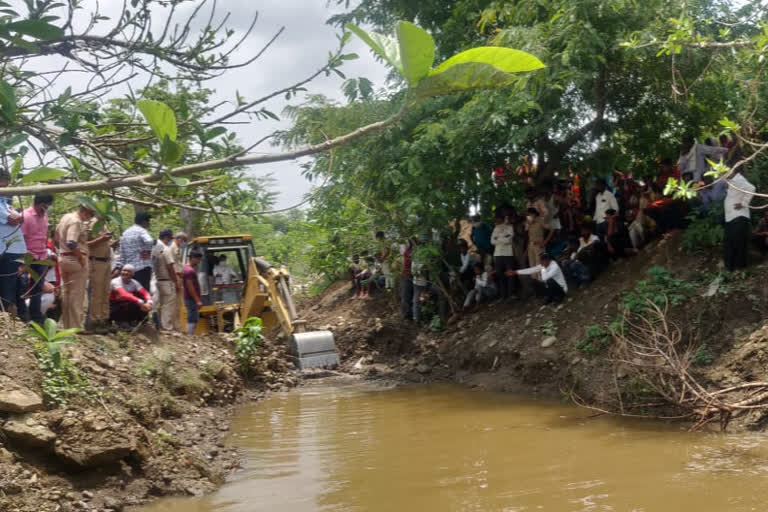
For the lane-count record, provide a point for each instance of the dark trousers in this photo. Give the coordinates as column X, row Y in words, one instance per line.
column 549, row 289
column 125, row 311
column 37, row 278
column 736, row 243
column 143, row 276
column 506, row 285
column 406, row 297
column 8, row 281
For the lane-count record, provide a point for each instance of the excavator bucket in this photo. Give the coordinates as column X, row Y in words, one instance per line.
column 316, row 349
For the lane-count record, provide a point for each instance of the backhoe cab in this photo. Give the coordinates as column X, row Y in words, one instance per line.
column 236, row 285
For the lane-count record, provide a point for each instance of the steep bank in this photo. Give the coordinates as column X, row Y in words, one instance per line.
column 149, row 417
column 522, row 346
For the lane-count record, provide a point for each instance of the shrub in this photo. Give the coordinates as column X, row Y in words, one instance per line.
column 249, row 339
column 705, row 229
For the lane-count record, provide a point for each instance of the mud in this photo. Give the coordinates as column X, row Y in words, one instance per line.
column 152, row 423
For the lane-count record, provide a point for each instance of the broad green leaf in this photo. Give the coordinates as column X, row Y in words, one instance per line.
column 50, row 328
column 35, row 28
column 42, row 174
column 417, row 51
column 384, row 46
column 12, row 141
column 66, row 333
column 170, row 151
column 180, row 182
column 160, row 117
column 215, row 132
column 37, row 331
column 485, row 67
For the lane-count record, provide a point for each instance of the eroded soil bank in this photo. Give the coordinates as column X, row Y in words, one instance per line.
column 151, row 421
column 524, row 347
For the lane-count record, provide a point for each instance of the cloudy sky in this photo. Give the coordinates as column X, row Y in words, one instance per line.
column 301, row 49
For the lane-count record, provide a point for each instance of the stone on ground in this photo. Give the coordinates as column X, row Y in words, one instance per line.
column 20, row 401
column 28, row 432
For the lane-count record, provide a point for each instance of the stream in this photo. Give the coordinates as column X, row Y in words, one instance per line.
column 355, row 447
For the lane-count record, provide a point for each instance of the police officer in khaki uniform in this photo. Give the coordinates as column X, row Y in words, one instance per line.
column 165, row 276
column 100, row 275
column 72, row 236
column 175, row 251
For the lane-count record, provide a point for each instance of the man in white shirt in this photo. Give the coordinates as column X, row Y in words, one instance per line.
column 223, row 273
column 604, row 201
column 485, row 288
column 737, row 221
column 503, row 254
column 551, row 283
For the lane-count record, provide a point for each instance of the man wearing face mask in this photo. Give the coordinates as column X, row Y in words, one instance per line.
column 35, row 230
column 176, row 251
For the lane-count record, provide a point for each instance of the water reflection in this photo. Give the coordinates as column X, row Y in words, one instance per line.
column 354, row 448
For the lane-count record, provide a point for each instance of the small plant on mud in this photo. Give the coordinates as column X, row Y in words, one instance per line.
column 548, row 329
column 249, row 339
column 61, row 379
column 660, row 287
column 595, row 340
column 702, row 356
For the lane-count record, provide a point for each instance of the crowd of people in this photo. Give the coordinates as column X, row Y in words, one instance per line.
column 562, row 236
column 93, row 280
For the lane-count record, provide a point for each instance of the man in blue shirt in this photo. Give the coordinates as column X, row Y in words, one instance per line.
column 12, row 248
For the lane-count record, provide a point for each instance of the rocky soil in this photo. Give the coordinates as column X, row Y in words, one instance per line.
column 153, row 421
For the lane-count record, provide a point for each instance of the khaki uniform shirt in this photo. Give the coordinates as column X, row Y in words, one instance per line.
column 161, row 258
column 536, row 231
column 101, row 249
column 174, row 251
column 71, row 228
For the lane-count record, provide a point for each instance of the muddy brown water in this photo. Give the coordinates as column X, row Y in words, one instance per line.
column 356, row 448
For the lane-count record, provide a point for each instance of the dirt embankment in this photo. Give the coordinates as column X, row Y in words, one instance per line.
column 151, row 420
column 522, row 346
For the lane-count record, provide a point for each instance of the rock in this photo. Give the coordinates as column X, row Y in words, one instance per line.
column 423, row 368
column 10, row 488
column 20, row 401
column 548, row 342
column 94, row 456
column 29, row 432
column 112, row 503
column 87, row 495
column 6, row 456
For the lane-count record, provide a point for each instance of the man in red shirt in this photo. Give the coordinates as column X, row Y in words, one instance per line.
column 191, row 285
column 129, row 302
column 35, row 231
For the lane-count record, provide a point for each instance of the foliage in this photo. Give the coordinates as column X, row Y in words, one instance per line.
column 596, row 339
column 548, row 329
column 51, row 339
column 61, row 379
column 703, row 356
column 705, row 229
column 249, row 339
column 660, row 287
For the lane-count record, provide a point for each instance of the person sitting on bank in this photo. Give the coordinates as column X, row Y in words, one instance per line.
column 129, row 302
column 485, row 287
column 573, row 268
column 551, row 281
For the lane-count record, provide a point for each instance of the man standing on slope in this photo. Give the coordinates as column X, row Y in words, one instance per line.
column 72, row 234
column 136, row 249
column 737, row 221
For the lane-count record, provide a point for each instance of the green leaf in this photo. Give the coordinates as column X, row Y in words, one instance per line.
column 417, row 51
column 170, row 151
column 50, row 328
column 215, row 132
column 485, row 67
column 384, row 46
column 37, row 331
column 42, row 174
column 160, row 117
column 7, row 101
column 66, row 333
column 16, row 168
column 35, row 28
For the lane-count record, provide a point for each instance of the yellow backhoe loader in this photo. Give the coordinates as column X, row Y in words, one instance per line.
column 237, row 285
